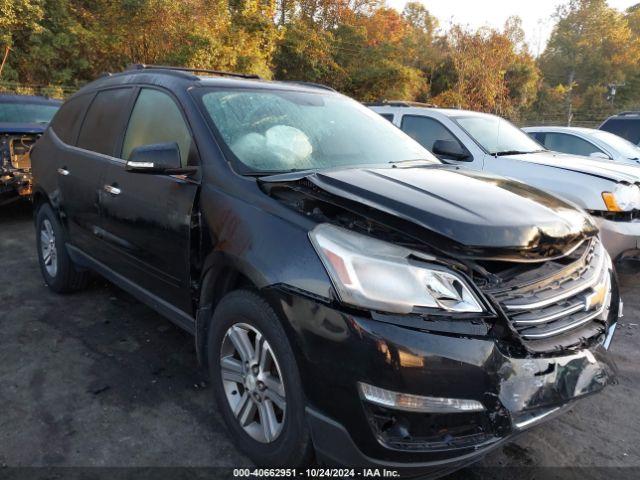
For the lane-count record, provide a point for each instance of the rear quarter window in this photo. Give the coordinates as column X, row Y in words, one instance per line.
column 105, row 121
column 68, row 119
column 628, row 128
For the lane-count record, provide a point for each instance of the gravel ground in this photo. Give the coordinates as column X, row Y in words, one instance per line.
column 96, row 379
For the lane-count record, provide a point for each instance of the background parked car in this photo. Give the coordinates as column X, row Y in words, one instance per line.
column 609, row 191
column 22, row 120
column 588, row 142
column 625, row 125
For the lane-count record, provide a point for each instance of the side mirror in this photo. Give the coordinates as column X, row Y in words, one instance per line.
column 158, row 158
column 600, row 155
column 450, row 149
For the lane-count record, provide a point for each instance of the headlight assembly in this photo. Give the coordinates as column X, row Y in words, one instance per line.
column 623, row 198
column 381, row 276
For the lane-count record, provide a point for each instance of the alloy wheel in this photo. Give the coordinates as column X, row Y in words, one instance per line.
column 48, row 248
column 253, row 382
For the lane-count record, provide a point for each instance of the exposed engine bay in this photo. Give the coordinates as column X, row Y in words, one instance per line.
column 15, row 166
column 549, row 298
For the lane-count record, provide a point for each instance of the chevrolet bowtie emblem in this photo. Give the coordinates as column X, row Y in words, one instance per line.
column 598, row 297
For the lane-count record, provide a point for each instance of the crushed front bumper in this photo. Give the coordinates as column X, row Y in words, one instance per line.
column 337, row 349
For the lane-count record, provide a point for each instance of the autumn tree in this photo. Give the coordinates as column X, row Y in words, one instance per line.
column 592, row 45
column 486, row 71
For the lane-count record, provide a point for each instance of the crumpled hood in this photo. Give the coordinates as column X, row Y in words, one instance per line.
column 617, row 172
column 470, row 213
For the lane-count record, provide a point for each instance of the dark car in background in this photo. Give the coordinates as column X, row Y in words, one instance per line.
column 23, row 118
column 351, row 297
column 625, row 125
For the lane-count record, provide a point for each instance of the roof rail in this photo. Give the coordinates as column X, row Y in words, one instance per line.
column 311, row 84
column 143, row 66
column 630, row 112
column 400, row 103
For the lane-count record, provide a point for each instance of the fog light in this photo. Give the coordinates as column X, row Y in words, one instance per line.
column 416, row 403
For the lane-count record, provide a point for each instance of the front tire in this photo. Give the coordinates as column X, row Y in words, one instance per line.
column 57, row 268
column 256, row 383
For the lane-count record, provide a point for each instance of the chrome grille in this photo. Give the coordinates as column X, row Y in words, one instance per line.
column 561, row 304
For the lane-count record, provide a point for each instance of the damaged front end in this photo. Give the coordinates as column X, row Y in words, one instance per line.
column 15, row 165
column 552, row 306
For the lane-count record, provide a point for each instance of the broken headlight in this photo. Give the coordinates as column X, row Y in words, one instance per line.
column 381, row 276
column 623, row 198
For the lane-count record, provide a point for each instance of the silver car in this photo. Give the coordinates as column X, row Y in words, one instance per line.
column 588, row 142
column 609, row 191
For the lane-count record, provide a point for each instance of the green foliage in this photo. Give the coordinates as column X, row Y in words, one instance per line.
column 359, row 47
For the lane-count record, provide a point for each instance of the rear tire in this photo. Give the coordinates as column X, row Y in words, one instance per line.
column 57, row 268
column 254, row 373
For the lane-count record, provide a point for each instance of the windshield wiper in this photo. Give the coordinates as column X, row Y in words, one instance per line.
column 515, row 152
column 424, row 160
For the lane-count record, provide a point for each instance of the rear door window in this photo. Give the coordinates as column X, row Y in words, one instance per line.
column 564, row 143
column 156, row 119
column 68, row 119
column 104, row 123
column 625, row 128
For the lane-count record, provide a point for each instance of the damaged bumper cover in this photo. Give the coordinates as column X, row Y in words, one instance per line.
column 443, row 360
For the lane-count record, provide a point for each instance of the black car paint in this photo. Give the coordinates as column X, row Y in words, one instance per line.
column 179, row 243
column 465, row 213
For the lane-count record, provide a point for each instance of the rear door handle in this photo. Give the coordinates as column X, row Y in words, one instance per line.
column 112, row 190
column 63, row 171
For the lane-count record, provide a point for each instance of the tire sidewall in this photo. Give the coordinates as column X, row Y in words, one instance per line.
column 291, row 445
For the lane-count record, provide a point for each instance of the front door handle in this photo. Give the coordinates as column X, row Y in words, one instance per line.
column 63, row 171
column 112, row 190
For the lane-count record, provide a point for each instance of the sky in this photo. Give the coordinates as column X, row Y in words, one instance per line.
column 535, row 14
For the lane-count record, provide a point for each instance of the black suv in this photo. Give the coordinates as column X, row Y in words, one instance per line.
column 351, row 297
column 625, row 125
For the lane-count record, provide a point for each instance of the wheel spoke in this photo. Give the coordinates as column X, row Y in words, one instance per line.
column 265, row 358
column 231, row 369
column 241, row 342
column 276, row 398
column 268, row 420
column 44, row 238
column 246, row 410
column 274, row 384
column 47, row 258
column 258, row 347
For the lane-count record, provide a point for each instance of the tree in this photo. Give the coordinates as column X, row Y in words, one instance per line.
column 484, row 71
column 591, row 44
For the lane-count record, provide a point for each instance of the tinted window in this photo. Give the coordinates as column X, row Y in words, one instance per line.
column 67, row 121
column 629, row 128
column 156, row 119
column 561, row 142
column 387, row 116
column 426, row 131
column 26, row 112
column 105, row 121
column 538, row 136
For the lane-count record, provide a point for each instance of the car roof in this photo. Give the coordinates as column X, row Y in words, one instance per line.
column 182, row 80
column 417, row 109
column 16, row 98
column 547, row 128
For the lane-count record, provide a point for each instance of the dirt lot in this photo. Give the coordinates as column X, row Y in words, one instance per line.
column 98, row 379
